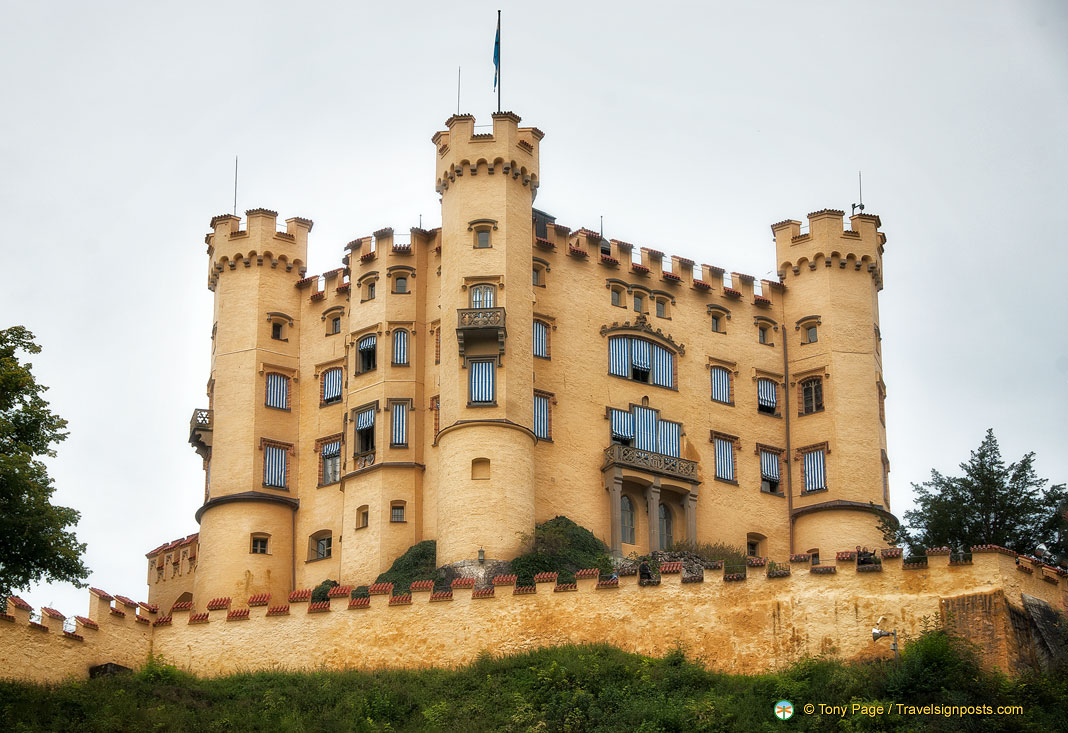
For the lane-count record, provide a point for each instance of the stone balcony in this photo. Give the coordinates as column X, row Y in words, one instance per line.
column 626, row 456
column 473, row 324
column 200, row 431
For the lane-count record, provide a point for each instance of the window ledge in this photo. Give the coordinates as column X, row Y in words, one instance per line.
column 779, row 494
column 543, row 440
column 482, row 404
column 729, row 404
column 365, row 526
column 331, row 402
column 319, row 559
column 398, row 364
column 398, row 445
column 280, row 409
column 276, row 488
column 265, row 554
column 814, row 412
column 770, row 414
column 726, row 480
column 398, row 521
column 406, row 292
column 539, row 356
column 332, row 483
column 806, row 492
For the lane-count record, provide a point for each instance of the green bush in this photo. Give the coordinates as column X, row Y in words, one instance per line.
column 419, row 562
column 561, row 546
column 321, row 592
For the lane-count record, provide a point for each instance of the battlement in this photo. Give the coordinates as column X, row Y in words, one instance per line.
column 259, row 242
column 826, row 242
column 509, row 150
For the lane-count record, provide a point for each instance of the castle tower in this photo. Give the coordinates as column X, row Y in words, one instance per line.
column 838, row 464
column 487, row 184
column 249, row 445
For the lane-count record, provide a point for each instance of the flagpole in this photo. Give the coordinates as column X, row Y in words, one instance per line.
column 498, row 62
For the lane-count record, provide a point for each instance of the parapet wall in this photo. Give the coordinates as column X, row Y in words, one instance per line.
column 763, row 621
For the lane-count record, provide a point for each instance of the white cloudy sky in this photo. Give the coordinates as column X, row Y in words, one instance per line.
column 690, row 128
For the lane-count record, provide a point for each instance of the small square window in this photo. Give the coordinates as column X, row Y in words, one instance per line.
column 322, row 548
column 639, row 303
column 762, row 334
column 396, row 513
column 400, row 285
column 752, row 548
column 812, row 334
column 482, row 239
column 276, row 331
column 617, row 297
column 369, row 291
column 661, row 309
column 535, row 276
column 363, row 518
column 715, row 324
column 259, row 545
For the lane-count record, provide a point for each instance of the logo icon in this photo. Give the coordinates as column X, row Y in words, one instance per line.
column 784, row 710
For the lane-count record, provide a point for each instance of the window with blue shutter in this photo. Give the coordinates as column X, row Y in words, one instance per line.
column 721, row 385
column 645, row 436
column 769, row 471
column 724, row 458
column 541, row 416
column 399, row 435
column 332, row 385
column 619, row 356
column 400, row 347
column 366, row 348
column 663, row 373
column 767, row 396
column 622, row 426
column 365, row 431
column 274, row 466
column 331, row 463
column 541, row 339
column 668, row 437
column 815, row 476
column 277, row 391
column 481, row 376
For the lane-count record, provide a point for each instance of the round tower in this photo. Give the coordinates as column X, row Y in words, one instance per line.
column 246, row 521
column 837, row 431
column 487, row 184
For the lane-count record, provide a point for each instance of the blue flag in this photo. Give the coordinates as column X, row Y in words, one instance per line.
column 497, row 55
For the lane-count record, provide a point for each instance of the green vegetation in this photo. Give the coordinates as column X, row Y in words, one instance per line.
column 561, row 546
column 712, row 551
column 419, row 562
column 321, row 592
column 990, row 503
column 575, row 688
column 35, row 543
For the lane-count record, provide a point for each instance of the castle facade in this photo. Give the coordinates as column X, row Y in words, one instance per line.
column 464, row 383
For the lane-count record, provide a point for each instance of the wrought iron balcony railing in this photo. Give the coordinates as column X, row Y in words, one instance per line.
column 625, row 455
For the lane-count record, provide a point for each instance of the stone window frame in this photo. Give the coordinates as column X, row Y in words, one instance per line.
column 798, row 382
column 551, row 397
column 363, row 517
column 254, row 537
column 799, row 456
column 315, row 553
column 320, row 374
column 290, row 450
column 394, row 505
column 732, row 374
column 779, row 452
column 804, row 324
column 335, row 438
column 736, row 443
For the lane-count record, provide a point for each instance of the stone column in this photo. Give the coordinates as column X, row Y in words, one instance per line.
column 691, row 517
column 652, row 501
column 614, row 485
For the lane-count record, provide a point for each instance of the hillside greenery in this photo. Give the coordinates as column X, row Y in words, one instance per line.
column 574, row 688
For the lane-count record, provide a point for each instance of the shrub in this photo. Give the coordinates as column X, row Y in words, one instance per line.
column 712, row 551
column 559, row 545
column 419, row 562
column 319, row 593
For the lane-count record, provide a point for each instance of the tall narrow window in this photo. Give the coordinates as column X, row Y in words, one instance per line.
column 369, row 290
column 274, row 466
column 811, row 395
column 437, row 346
column 626, row 520
column 721, row 385
column 767, row 397
column 277, row 391
column 762, row 334
column 400, row 347
column 335, row 325
column 622, row 427
column 716, row 324
column 482, row 296
column 332, row 385
column 645, row 437
column 667, row 434
column 617, row 297
column 640, row 360
column 666, row 539
column 541, row 339
column 482, row 382
column 365, row 431
column 400, row 285
column 663, row 367
column 331, row 463
column 367, row 360
column 661, row 308
column 639, row 304
column 769, row 472
column 276, row 331
column 399, row 433
column 541, row 416
column 724, row 459
column 815, row 476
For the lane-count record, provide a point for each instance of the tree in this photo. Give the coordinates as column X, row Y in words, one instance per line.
column 991, row 504
column 34, row 541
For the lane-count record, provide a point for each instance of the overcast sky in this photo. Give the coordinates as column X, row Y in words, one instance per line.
column 689, row 128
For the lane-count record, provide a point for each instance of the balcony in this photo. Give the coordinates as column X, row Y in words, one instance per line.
column 627, row 457
column 476, row 324
column 200, row 428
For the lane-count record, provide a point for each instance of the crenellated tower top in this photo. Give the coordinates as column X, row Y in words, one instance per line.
column 509, row 149
column 827, row 242
column 259, row 242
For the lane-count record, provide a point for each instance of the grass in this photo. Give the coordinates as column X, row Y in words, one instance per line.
column 572, row 688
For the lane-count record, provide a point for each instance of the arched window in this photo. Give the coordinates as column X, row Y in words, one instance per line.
column 811, row 395
column 627, row 520
column 400, row 347
column 331, row 386
column 666, row 540
column 320, row 545
column 482, row 296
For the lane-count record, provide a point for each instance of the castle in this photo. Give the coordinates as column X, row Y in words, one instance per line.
column 503, row 369
column 499, row 371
